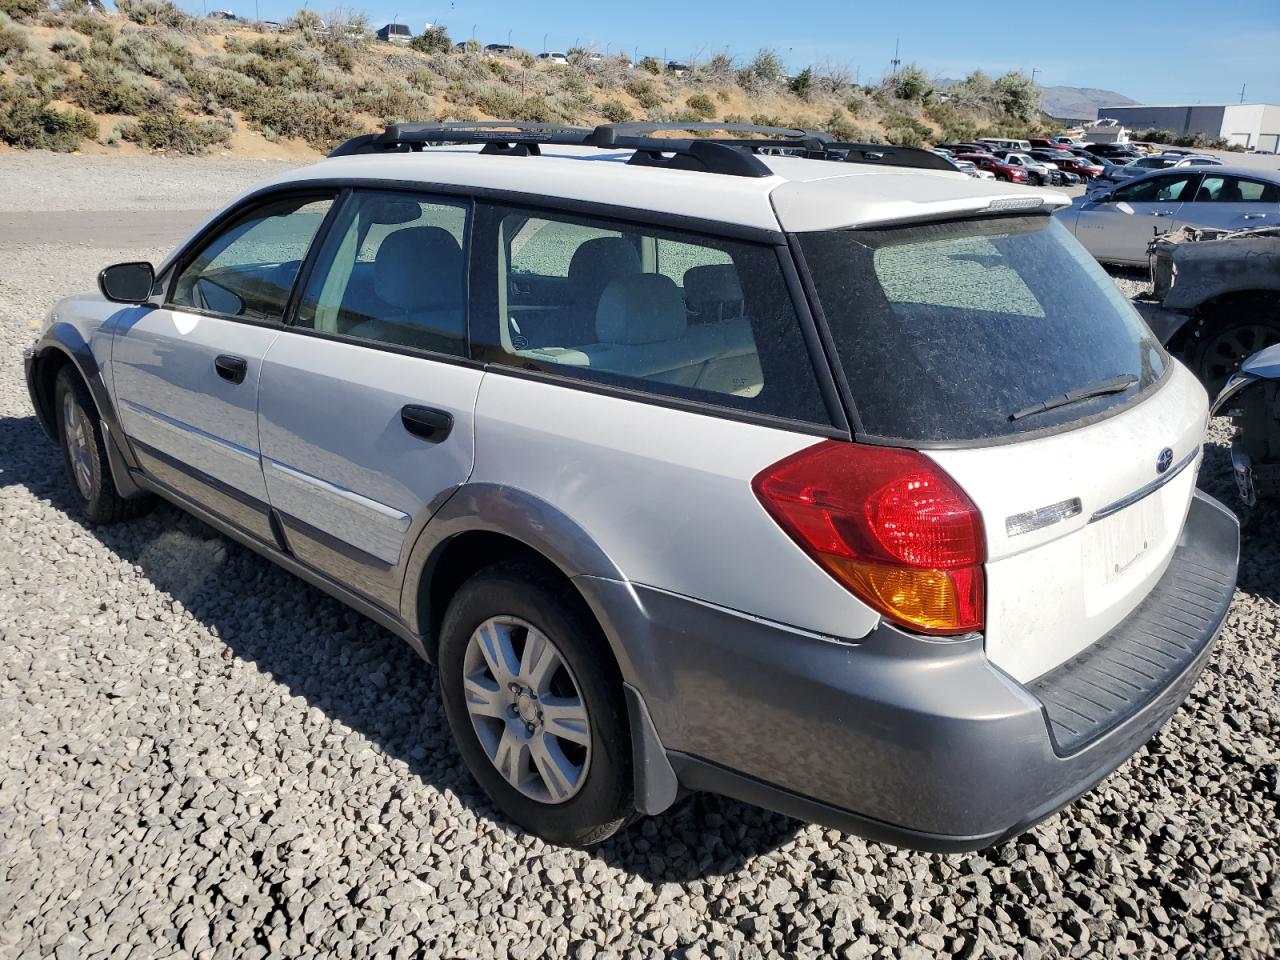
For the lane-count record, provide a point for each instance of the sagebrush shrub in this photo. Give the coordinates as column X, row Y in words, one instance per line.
column 27, row 121
column 701, row 106
column 170, row 131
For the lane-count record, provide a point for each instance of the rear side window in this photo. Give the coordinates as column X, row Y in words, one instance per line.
column 687, row 316
column 1219, row 189
column 951, row 332
column 248, row 268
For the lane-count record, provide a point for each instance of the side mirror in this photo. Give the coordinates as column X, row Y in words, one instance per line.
column 127, row 282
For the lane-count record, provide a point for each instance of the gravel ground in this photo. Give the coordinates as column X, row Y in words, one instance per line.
column 202, row 756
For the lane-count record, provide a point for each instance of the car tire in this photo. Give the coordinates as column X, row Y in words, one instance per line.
column 508, row 607
column 84, row 453
column 1223, row 346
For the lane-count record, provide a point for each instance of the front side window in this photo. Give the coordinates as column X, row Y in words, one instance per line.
column 1156, row 189
column 955, row 331
column 392, row 270
column 248, row 269
column 687, row 316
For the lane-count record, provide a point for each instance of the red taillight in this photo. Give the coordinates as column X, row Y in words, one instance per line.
column 889, row 525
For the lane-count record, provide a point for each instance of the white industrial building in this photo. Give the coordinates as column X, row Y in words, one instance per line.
column 1243, row 124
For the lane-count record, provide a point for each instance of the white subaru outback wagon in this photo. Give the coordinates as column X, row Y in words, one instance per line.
column 832, row 479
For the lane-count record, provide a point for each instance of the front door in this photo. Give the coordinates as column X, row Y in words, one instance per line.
column 1118, row 227
column 367, row 399
column 186, row 374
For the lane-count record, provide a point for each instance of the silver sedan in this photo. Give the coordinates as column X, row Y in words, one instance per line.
column 1116, row 225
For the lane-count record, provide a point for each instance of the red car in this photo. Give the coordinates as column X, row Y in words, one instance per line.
column 1077, row 164
column 1044, row 143
column 1001, row 170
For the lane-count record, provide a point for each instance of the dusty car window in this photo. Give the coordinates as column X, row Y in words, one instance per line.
column 945, row 330
column 249, row 268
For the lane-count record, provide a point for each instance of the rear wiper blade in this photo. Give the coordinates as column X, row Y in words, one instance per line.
column 1099, row 389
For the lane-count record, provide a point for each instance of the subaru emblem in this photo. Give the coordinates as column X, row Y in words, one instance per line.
column 1164, row 461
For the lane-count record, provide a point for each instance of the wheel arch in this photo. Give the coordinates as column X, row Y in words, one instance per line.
column 61, row 347
column 1215, row 311
column 485, row 523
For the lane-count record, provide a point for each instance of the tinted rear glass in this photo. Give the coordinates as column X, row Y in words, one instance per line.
column 946, row 330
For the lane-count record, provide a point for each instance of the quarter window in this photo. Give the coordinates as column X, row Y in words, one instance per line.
column 686, row 316
column 391, row 270
column 249, row 268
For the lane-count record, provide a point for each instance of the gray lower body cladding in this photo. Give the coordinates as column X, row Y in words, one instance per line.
column 926, row 745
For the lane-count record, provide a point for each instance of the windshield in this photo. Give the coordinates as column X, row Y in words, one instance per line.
column 1156, row 163
column 946, row 330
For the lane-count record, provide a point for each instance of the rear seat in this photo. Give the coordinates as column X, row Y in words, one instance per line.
column 643, row 331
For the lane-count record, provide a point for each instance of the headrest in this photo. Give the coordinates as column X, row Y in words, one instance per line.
column 713, row 283
column 419, row 268
column 645, row 308
column 596, row 262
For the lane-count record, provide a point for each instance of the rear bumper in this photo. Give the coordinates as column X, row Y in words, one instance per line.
column 925, row 745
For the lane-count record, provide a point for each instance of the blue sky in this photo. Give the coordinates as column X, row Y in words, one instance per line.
column 1175, row 51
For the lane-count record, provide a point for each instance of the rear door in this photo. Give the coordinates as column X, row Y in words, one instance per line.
column 1232, row 203
column 1116, row 228
column 186, row 374
column 367, row 398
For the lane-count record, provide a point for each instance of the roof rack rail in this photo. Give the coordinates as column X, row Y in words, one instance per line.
column 724, row 155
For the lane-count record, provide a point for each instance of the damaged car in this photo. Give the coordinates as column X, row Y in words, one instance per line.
column 1215, row 297
column 1252, row 399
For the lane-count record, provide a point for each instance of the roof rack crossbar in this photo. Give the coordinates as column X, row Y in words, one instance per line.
column 734, row 156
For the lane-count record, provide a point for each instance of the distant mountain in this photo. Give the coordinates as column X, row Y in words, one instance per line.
column 1079, row 103
column 1069, row 103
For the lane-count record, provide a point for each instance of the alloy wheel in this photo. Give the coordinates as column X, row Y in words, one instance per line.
column 76, row 430
column 527, row 709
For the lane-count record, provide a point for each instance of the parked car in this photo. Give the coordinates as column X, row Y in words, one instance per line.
column 1038, row 173
column 1117, row 225
column 1060, row 164
column 1045, row 143
column 1070, row 163
column 1215, row 296
column 958, row 148
column 1001, row 143
column 1113, row 150
column 996, row 167
column 1252, row 399
column 584, row 435
column 554, row 58
column 1117, row 173
column 969, row 168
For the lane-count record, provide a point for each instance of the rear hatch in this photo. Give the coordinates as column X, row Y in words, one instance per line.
column 1000, row 349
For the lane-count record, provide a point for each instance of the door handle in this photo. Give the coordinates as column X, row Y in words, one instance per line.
column 1255, row 216
column 230, row 368
column 428, row 423
column 1162, row 213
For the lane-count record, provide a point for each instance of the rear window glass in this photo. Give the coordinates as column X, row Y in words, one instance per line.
column 951, row 332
